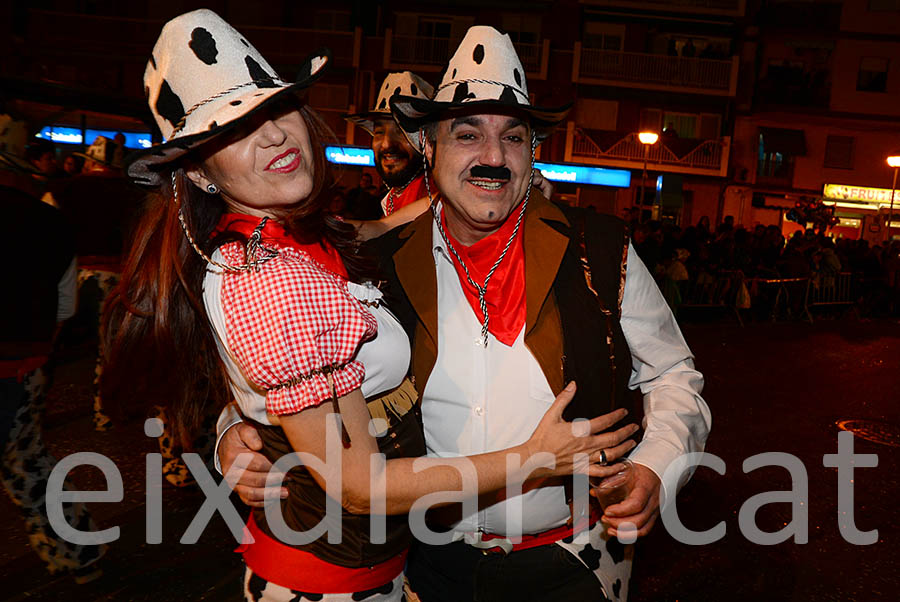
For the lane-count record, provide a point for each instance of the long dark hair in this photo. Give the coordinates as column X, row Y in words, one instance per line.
column 158, row 345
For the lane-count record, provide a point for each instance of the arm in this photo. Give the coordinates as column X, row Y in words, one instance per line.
column 676, row 418
column 400, row 485
column 367, row 230
column 239, row 438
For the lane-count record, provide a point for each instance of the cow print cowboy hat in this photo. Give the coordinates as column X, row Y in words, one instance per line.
column 395, row 84
column 485, row 72
column 202, row 80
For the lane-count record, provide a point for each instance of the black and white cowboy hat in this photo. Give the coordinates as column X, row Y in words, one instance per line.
column 485, row 72
column 403, row 83
column 203, row 79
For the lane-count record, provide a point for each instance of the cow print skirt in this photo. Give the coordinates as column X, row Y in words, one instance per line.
column 609, row 559
column 257, row 589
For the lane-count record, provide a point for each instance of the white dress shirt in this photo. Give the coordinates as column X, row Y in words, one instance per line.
column 480, row 399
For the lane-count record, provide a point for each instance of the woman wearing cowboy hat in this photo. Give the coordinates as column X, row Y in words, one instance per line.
column 240, row 286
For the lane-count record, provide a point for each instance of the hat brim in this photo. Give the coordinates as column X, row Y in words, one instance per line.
column 144, row 165
column 412, row 113
column 367, row 122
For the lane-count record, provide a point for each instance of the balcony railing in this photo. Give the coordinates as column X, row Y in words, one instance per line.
column 617, row 149
column 655, row 71
column 531, row 56
column 433, row 54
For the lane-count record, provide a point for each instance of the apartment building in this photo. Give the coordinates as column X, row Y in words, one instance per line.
column 757, row 103
column 824, row 115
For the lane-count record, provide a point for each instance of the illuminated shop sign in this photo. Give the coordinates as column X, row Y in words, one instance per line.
column 579, row 174
column 70, row 135
column 842, row 192
column 849, row 222
column 350, row 155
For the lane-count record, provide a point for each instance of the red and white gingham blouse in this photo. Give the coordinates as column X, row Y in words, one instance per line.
column 291, row 324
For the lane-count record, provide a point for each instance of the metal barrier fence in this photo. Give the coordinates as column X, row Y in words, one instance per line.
column 834, row 290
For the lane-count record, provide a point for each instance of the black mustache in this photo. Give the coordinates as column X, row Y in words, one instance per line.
column 490, row 173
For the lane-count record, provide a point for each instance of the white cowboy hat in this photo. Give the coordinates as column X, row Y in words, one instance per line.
column 203, row 79
column 395, row 84
column 485, row 72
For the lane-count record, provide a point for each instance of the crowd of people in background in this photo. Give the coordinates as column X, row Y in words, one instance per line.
column 701, row 251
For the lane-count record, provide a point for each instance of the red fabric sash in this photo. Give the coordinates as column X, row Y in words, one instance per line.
column 414, row 191
column 548, row 537
column 506, row 291
column 321, row 251
column 299, row 570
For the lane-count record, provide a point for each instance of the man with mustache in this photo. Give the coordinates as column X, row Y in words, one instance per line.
column 507, row 297
column 398, row 159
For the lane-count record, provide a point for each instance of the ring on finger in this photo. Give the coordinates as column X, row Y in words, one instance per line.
column 603, row 458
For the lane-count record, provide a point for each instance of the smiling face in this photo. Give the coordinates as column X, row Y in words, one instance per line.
column 264, row 167
column 395, row 158
column 482, row 166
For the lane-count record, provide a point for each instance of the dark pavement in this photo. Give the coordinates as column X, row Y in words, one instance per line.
column 772, row 387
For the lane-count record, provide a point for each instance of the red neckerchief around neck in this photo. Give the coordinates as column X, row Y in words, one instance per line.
column 274, row 232
column 505, row 295
column 412, row 192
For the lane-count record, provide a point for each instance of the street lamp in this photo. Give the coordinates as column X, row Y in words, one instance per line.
column 893, row 161
column 648, row 139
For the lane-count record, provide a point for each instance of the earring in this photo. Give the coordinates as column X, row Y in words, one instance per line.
column 212, row 189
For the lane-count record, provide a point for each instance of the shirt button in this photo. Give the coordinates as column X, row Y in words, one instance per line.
column 479, row 411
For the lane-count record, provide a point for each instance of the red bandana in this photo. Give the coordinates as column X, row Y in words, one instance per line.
column 505, row 295
column 414, row 191
column 274, row 232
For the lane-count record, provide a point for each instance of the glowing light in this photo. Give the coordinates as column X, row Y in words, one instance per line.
column 843, row 192
column 350, row 155
column 648, row 137
column 893, row 161
column 70, row 135
column 581, row 174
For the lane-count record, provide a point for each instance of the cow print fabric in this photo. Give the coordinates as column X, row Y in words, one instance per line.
column 204, row 46
column 257, row 589
column 25, row 471
column 169, row 105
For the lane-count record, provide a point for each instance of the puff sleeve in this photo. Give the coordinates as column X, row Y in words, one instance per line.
column 292, row 327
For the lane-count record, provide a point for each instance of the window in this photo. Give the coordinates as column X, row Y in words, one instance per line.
column 872, row 74
column 604, row 36
column 684, row 124
column 774, row 165
column 839, row 152
column 434, row 28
